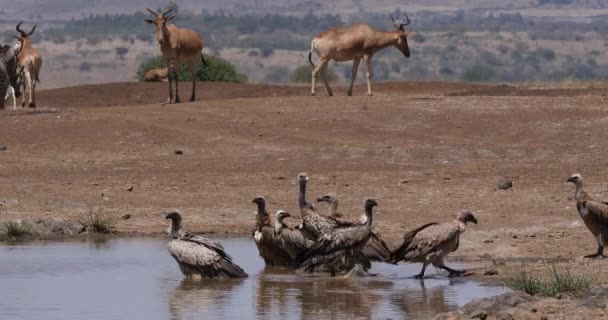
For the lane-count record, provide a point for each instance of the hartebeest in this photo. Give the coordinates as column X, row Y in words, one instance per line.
column 179, row 46
column 156, row 74
column 353, row 43
column 30, row 61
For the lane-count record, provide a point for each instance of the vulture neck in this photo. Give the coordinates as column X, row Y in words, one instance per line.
column 333, row 208
column 278, row 226
column 261, row 215
column 176, row 227
column 578, row 191
column 369, row 213
column 302, row 193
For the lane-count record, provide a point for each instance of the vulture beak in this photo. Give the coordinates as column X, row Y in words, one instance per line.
column 286, row 214
column 473, row 219
column 569, row 179
column 320, row 199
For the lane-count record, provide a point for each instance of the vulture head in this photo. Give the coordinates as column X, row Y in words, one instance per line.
column 281, row 215
column 176, row 222
column 302, row 177
column 576, row 178
column 326, row 198
column 465, row 216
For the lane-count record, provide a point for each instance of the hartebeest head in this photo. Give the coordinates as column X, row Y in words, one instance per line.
column 160, row 21
column 23, row 36
column 402, row 41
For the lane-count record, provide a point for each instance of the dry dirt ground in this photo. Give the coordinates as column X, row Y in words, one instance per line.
column 424, row 150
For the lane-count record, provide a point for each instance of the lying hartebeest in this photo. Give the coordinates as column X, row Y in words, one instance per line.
column 353, row 43
column 179, row 46
column 30, row 61
column 156, row 74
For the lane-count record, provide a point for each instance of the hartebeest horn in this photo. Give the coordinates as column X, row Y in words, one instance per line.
column 171, row 7
column 152, row 12
column 399, row 24
column 23, row 34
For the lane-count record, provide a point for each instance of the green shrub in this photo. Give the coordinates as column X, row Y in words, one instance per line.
column 548, row 282
column 303, row 74
column 217, row 69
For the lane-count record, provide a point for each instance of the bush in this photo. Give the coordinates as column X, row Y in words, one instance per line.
column 15, row 230
column 97, row 222
column 479, row 73
column 417, row 37
column 304, row 74
column 277, row 74
column 217, row 69
column 548, row 282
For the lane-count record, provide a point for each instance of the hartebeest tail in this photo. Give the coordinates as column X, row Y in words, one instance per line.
column 353, row 43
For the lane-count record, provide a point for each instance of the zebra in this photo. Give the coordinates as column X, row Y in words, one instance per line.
column 8, row 71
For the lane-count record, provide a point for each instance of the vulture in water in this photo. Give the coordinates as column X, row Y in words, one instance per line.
column 291, row 240
column 376, row 249
column 197, row 255
column 594, row 214
column 340, row 249
column 432, row 242
column 269, row 247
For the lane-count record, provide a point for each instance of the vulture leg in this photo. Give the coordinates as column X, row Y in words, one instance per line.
column 599, row 254
column 421, row 275
column 452, row 271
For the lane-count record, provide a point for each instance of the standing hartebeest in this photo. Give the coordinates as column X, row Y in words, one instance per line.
column 353, row 43
column 179, row 46
column 30, row 61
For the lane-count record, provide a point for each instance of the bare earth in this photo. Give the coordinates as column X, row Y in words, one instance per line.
column 424, row 150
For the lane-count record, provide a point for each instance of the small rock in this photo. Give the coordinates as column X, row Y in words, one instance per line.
column 514, row 236
column 179, row 152
column 2, row 147
column 126, row 216
column 534, row 310
column 505, row 184
column 488, row 241
column 130, row 188
column 479, row 314
column 404, row 182
column 544, row 318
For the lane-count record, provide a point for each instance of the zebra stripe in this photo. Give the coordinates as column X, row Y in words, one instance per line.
column 8, row 70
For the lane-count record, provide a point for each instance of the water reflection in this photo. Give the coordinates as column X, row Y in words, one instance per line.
column 80, row 279
column 194, row 297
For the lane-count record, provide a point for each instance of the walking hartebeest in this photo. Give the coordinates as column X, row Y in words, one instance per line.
column 353, row 43
column 30, row 61
column 179, row 46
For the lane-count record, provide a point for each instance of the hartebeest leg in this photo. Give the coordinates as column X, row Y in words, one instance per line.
column 315, row 71
column 176, row 77
column 368, row 73
column 170, row 76
column 193, row 73
column 27, row 85
column 32, row 92
column 354, row 76
column 324, row 77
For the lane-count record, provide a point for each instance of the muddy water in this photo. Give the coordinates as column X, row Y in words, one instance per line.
column 138, row 279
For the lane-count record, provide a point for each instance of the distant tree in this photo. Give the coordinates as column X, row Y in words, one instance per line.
column 417, row 37
column 277, row 75
column 121, row 52
column 85, row 67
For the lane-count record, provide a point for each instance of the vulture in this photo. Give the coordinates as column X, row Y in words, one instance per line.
column 340, row 249
column 270, row 249
column 431, row 242
column 314, row 224
column 199, row 256
column 289, row 239
column 594, row 213
column 376, row 249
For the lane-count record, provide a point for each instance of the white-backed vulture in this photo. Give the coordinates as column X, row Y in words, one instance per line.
column 432, row 242
column 594, row 214
column 290, row 240
column 375, row 249
column 269, row 247
column 197, row 255
column 340, row 249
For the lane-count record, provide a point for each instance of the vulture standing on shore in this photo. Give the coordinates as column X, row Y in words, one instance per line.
column 197, row 255
column 432, row 242
column 270, row 249
column 340, row 249
column 291, row 240
column 376, row 249
column 594, row 214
